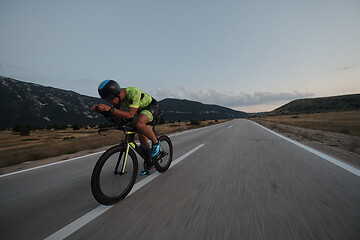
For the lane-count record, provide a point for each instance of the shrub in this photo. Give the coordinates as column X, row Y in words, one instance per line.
column 75, row 127
column 69, row 138
column 162, row 121
column 22, row 130
column 195, row 122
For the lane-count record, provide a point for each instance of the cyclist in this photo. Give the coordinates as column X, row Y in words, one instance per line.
column 129, row 103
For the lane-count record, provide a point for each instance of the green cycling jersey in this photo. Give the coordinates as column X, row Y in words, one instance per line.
column 135, row 98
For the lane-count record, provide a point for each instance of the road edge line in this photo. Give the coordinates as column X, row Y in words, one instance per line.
column 49, row 164
column 88, row 155
column 338, row 163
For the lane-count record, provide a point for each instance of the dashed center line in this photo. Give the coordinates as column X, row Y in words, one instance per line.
column 85, row 219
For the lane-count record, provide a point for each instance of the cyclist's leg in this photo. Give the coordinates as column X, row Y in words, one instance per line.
column 140, row 123
column 143, row 140
column 145, row 133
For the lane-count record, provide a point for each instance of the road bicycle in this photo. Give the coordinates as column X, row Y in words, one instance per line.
column 115, row 172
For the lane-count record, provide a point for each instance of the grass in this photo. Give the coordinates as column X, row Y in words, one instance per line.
column 41, row 144
column 340, row 122
column 321, row 127
column 46, row 146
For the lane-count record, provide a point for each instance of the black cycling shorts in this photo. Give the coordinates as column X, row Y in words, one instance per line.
column 151, row 111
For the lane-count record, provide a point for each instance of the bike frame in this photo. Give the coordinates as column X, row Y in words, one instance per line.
column 129, row 143
column 117, row 157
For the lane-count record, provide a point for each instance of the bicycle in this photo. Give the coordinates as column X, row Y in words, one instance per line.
column 114, row 174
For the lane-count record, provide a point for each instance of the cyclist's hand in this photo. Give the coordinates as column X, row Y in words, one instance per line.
column 95, row 109
column 100, row 108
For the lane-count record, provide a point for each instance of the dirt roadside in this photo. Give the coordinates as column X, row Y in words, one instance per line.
column 345, row 148
column 162, row 129
column 32, row 164
column 342, row 147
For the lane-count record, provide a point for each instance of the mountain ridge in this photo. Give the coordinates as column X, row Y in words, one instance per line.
column 349, row 102
column 185, row 110
column 32, row 104
column 25, row 103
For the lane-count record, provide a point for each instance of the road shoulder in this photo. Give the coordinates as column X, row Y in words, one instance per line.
column 342, row 147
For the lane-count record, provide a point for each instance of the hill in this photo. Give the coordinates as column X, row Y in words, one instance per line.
column 185, row 110
column 24, row 103
column 320, row 105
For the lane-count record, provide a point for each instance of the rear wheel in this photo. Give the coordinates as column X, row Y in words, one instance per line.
column 163, row 160
column 112, row 180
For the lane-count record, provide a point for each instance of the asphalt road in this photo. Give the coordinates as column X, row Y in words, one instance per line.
column 235, row 180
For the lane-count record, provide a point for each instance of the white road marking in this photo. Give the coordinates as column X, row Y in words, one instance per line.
column 78, row 223
column 50, row 164
column 320, row 154
column 72, row 159
column 88, row 217
column 193, row 130
column 230, row 126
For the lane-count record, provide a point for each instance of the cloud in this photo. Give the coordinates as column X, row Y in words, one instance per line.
column 229, row 99
column 347, row 67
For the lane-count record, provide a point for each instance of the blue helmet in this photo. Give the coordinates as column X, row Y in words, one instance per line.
column 109, row 89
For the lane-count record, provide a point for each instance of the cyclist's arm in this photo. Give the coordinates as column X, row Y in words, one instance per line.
column 129, row 113
column 135, row 96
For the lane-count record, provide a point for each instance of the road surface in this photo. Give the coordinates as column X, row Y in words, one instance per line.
column 234, row 180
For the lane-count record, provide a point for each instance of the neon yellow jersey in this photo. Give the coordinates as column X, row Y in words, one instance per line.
column 135, row 98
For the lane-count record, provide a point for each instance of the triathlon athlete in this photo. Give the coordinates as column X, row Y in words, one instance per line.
column 129, row 103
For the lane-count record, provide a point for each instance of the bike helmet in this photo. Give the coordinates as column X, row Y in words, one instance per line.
column 109, row 89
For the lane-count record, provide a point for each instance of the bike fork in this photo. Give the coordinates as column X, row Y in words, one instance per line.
column 123, row 163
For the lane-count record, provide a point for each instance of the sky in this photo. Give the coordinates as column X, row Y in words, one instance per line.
column 249, row 55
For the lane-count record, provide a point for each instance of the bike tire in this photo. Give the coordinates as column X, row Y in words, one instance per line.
column 163, row 162
column 103, row 175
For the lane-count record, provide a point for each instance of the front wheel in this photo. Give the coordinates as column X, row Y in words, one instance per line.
column 163, row 160
column 114, row 176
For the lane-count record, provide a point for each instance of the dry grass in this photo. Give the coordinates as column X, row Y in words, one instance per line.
column 340, row 130
column 41, row 144
column 340, row 122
